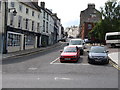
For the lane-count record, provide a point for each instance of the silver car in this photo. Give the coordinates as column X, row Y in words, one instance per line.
column 98, row 54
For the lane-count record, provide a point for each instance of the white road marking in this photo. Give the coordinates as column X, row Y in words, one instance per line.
column 54, row 60
column 57, row 78
column 32, row 68
column 59, row 63
column 72, row 63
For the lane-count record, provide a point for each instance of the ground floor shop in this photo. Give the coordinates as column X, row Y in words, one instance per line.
column 18, row 39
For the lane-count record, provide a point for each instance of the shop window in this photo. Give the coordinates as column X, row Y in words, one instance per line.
column 13, row 39
column 29, row 40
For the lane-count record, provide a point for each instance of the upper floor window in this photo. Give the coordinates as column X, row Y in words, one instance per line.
column 12, row 4
column 89, row 26
column 47, row 27
column 26, row 26
column 47, row 17
column 20, row 7
column 11, row 19
column 0, row 5
column 43, row 25
column 33, row 13
column 38, row 15
column 32, row 25
column 44, row 14
column 27, row 10
column 38, row 25
column 19, row 21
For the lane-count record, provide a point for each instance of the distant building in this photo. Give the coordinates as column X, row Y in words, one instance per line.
column 72, row 31
column 88, row 18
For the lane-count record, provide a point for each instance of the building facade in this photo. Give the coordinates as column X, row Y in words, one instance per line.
column 88, row 18
column 31, row 27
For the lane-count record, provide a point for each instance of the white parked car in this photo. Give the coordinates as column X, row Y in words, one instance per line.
column 79, row 43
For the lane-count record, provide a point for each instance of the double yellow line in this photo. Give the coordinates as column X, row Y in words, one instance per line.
column 114, row 65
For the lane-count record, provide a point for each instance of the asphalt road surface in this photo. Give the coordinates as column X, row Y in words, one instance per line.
column 44, row 70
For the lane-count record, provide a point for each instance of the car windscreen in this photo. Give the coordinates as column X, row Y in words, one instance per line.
column 97, row 50
column 70, row 49
column 75, row 42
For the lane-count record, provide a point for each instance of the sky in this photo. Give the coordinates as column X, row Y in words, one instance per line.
column 69, row 10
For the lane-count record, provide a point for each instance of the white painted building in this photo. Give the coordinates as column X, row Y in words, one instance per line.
column 33, row 26
column 24, row 28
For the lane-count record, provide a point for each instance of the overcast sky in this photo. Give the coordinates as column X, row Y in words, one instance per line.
column 69, row 10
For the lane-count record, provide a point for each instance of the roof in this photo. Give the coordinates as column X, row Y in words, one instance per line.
column 30, row 4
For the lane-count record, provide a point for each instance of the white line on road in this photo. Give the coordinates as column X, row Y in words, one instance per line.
column 54, row 60
column 57, row 78
column 32, row 68
column 72, row 64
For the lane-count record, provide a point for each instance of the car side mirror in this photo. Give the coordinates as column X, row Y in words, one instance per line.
column 88, row 51
column 107, row 51
column 61, row 51
column 67, row 43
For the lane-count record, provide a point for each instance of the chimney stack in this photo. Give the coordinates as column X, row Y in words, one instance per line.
column 42, row 4
column 35, row 1
column 92, row 6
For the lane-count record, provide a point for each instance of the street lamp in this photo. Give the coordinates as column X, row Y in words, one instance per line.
column 5, row 25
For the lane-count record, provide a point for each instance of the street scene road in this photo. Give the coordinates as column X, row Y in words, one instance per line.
column 44, row 70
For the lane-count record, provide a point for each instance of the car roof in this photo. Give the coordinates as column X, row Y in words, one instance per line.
column 77, row 39
column 69, row 46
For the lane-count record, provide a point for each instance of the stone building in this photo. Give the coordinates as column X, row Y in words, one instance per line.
column 88, row 18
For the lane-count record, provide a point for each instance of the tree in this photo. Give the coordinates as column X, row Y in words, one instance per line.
column 110, row 21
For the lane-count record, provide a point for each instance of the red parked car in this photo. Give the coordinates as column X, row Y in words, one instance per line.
column 70, row 53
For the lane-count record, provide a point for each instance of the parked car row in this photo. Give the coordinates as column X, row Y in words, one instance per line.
column 75, row 48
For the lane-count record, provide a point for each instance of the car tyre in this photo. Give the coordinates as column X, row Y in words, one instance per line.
column 62, row 61
column 107, row 62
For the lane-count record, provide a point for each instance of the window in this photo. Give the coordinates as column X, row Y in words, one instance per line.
column 27, row 10
column 0, row 5
column 13, row 39
column 43, row 25
column 113, row 37
column 32, row 25
column 12, row 4
column 20, row 8
column 38, row 25
column 26, row 24
column 11, row 19
column 38, row 16
column 32, row 13
column 47, row 17
column 44, row 14
column 89, row 26
column 19, row 21
column 47, row 27
column 29, row 40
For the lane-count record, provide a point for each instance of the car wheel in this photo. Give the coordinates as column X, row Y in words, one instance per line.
column 107, row 62
column 62, row 61
column 113, row 45
column 81, row 52
column 89, row 61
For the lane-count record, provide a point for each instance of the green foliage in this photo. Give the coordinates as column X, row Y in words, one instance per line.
column 110, row 21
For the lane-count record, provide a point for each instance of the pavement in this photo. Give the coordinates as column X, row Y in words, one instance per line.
column 114, row 57
column 28, row 51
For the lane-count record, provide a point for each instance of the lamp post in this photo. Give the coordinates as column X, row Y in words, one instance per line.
column 5, row 24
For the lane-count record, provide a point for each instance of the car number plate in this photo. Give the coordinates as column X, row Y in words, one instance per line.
column 67, row 58
column 98, row 60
